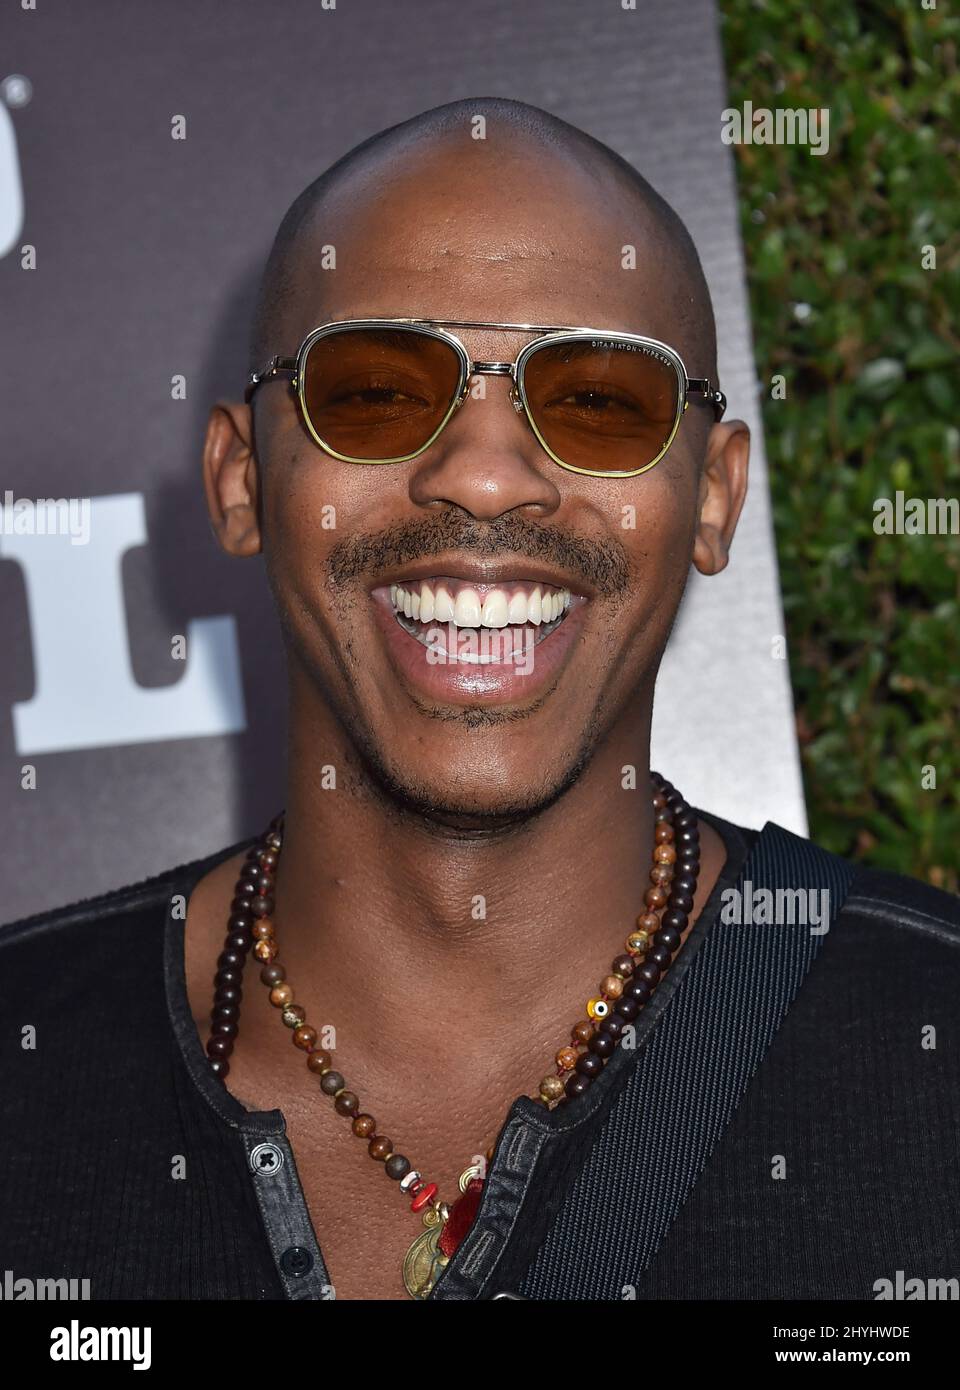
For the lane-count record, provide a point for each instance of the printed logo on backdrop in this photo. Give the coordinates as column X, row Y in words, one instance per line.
column 15, row 91
column 85, row 695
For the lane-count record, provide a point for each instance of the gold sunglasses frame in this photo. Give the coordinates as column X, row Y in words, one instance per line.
column 696, row 388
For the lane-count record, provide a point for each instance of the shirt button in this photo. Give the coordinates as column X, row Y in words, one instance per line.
column 266, row 1158
column 296, row 1261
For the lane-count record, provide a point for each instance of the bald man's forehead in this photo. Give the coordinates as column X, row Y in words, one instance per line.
column 517, row 238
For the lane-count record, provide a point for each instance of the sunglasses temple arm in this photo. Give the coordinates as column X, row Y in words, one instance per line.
column 700, row 386
column 277, row 366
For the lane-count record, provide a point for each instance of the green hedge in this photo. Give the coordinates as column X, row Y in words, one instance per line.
column 868, row 342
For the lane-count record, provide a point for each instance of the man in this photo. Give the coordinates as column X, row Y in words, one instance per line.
column 471, row 835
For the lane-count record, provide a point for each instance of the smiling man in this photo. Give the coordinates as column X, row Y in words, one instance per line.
column 539, row 1048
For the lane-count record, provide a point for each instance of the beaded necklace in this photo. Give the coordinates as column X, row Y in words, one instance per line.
column 650, row 948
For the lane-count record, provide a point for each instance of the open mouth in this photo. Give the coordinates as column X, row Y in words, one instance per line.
column 479, row 623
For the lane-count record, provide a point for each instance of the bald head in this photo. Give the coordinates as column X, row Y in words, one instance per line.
column 512, row 141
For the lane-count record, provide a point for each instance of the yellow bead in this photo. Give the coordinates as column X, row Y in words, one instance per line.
column 551, row 1088
column 598, row 1008
column 638, row 941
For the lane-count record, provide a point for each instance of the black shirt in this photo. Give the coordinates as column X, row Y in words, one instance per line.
column 786, row 1125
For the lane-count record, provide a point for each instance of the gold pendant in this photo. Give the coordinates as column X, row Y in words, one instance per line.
column 424, row 1260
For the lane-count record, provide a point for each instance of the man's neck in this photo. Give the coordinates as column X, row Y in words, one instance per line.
column 399, row 924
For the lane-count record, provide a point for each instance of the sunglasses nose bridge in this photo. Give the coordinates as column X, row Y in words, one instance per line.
column 502, row 369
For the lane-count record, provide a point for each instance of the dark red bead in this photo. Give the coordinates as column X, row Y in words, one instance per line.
column 219, row 1047
column 589, row 1064
column 612, row 1025
column 667, row 937
column 577, row 1084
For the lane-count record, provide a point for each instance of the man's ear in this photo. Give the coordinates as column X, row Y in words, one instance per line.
column 723, row 489
column 231, row 478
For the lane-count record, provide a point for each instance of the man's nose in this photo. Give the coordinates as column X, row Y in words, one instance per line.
column 487, row 460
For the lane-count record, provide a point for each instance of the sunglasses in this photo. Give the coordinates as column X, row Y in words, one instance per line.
column 381, row 390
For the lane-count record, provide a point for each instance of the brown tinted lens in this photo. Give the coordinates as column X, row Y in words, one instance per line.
column 379, row 393
column 602, row 405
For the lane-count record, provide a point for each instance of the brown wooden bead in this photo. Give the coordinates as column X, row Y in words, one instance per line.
column 304, row 1037
column 262, row 930
column 582, row 1032
column 648, row 922
column 266, row 951
column 380, row 1147
column 655, row 897
column 566, row 1058
column 611, row 986
column 663, row 833
column 665, row 854
column 638, row 941
column 293, row 1015
column 319, row 1061
column 281, row 996
column 661, row 873
column 622, row 966
column 363, row 1126
column 659, row 801
column 346, row 1103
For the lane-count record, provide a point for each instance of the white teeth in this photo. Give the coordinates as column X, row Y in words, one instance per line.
column 426, row 603
column 466, row 611
column 517, row 609
column 495, row 609
column 430, row 602
column 442, row 606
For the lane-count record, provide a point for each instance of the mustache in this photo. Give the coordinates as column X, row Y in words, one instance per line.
column 603, row 563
